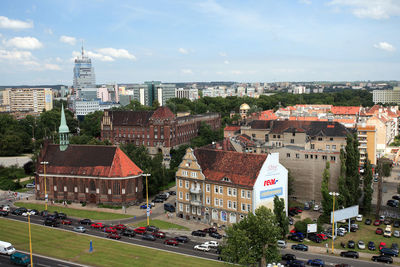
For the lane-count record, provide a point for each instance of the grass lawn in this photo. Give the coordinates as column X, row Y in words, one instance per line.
column 74, row 248
column 161, row 224
column 90, row 214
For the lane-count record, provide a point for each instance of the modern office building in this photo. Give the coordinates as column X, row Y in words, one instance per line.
column 386, row 96
column 150, row 91
column 84, row 76
column 188, row 93
column 28, row 99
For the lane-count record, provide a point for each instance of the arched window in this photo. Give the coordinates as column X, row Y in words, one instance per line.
column 103, row 187
column 232, row 218
column 214, row 214
column 92, row 186
column 223, row 216
column 117, row 188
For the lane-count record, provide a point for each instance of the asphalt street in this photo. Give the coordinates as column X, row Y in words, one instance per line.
column 40, row 262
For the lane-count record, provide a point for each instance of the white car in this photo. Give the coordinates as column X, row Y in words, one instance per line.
column 361, row 244
column 316, row 208
column 79, row 229
column 212, row 244
column 343, row 229
column 396, row 233
column 359, row 218
column 202, row 247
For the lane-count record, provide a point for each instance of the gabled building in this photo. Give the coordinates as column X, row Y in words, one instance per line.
column 86, row 173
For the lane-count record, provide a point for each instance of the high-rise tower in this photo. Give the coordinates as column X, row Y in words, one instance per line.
column 84, row 73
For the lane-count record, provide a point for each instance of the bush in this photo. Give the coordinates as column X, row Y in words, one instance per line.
column 83, row 204
column 69, row 202
column 107, row 206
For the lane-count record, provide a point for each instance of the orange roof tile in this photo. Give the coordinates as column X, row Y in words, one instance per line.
column 343, row 110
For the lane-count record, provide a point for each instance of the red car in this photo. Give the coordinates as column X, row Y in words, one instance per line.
column 110, row 230
column 377, row 222
column 159, row 234
column 382, row 245
column 379, row 231
column 120, row 227
column 114, row 236
column 298, row 210
column 140, row 230
column 98, row 225
column 293, row 231
column 322, row 236
column 66, row 222
column 172, row 242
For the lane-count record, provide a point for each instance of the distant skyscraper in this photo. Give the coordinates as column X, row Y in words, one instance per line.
column 84, row 73
column 150, row 91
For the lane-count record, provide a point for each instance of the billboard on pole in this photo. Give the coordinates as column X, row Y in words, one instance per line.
column 344, row 214
column 311, row 228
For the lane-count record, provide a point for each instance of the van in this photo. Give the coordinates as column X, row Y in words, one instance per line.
column 20, row 259
column 169, row 207
column 6, row 248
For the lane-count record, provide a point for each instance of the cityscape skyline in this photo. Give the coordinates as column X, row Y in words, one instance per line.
column 178, row 41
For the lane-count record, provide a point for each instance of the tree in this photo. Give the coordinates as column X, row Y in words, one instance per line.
column 326, row 201
column 253, row 239
column 301, row 226
column 91, row 124
column 367, row 187
column 280, row 215
column 343, row 197
column 290, row 184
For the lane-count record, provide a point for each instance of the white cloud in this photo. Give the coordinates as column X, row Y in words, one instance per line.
column 226, row 62
column 15, row 55
column 92, row 55
column 6, row 23
column 186, row 71
column 385, row 46
column 58, row 59
column 223, row 54
column 68, row 40
column 24, row 43
column 374, row 9
column 183, row 51
column 116, row 53
column 49, row 66
column 307, row 2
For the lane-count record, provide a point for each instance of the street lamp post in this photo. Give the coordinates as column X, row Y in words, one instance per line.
column 147, row 200
column 30, row 239
column 46, row 197
column 333, row 194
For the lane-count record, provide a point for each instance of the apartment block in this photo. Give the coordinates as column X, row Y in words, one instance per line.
column 28, row 99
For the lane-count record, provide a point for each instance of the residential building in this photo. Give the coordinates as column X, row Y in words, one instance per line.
column 190, row 93
column 222, row 187
column 386, row 96
column 28, row 99
column 84, row 173
column 367, row 143
column 158, row 130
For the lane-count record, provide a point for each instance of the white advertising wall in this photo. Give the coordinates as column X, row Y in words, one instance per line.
column 272, row 180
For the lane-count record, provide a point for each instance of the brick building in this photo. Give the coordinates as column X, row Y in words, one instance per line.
column 85, row 173
column 221, row 187
column 158, row 130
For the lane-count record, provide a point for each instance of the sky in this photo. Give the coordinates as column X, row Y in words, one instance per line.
column 205, row 40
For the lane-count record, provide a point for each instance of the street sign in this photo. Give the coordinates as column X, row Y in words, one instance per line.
column 148, row 211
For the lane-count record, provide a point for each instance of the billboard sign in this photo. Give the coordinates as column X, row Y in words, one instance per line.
column 344, row 214
column 311, row 228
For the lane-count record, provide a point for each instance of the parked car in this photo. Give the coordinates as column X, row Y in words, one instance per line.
column 159, row 234
column 295, row 263
column 182, row 239
column 300, row 247
column 371, row 245
column 148, row 237
column 387, row 232
column 281, row 244
column 377, row 222
column 316, row 208
column 316, row 262
column 144, row 206
column 51, row 222
column 288, row 257
column 202, row 247
column 351, row 244
column 62, row 215
column 113, row 236
column 210, row 230
column 169, row 207
column 85, row 221
column 198, row 233
column 342, row 265
column 158, row 200
column 361, row 244
column 3, row 213
column 97, row 225
column 296, row 238
column 387, row 221
column 215, row 235
column 315, row 238
column 382, row 258
column 396, row 224
column 79, row 229
column 382, row 245
column 212, row 244
column 379, row 231
column 19, row 211
column 393, row 203
column 368, row 221
column 140, row 230
column 120, row 227
column 322, row 236
column 389, row 252
column 396, row 233
column 19, row 258
column 359, row 218
column 66, row 222
column 172, row 193
column 349, row 254
column 172, row 242
column 395, row 247
column 128, row 232
column 396, row 197
column 152, row 229
column 291, row 221
column 110, row 229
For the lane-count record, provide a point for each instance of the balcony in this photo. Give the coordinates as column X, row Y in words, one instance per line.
column 195, row 190
column 195, row 202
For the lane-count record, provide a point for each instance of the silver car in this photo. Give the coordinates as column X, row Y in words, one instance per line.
column 79, row 229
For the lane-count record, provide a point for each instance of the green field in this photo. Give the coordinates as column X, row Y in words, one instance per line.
column 161, row 224
column 75, row 248
column 90, row 214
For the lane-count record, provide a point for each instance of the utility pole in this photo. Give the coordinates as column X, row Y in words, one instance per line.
column 380, row 178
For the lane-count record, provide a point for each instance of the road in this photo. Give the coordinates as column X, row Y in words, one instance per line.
column 39, row 261
column 187, row 249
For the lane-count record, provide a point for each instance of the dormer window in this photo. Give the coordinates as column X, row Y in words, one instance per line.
column 226, row 179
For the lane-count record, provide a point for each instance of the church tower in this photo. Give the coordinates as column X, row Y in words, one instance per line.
column 63, row 131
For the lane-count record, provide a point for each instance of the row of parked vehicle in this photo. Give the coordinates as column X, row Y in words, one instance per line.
column 212, row 232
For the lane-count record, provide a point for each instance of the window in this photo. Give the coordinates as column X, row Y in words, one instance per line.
column 292, row 141
column 297, row 156
column 229, row 204
column 193, row 174
column 324, row 157
column 331, row 139
column 334, row 147
column 248, row 207
column 243, row 193
column 221, row 202
column 180, row 183
column 306, row 156
column 216, row 202
column 234, row 192
column 274, row 136
column 187, row 209
column 243, row 207
column 180, row 195
column 180, row 207
column 229, row 191
column 249, row 194
column 311, row 156
column 187, row 196
column 193, row 209
column 208, row 200
column 319, row 138
column 333, row 158
column 312, row 146
column 221, row 190
column 253, row 135
column 328, row 147
column 316, row 156
column 234, row 205
column 223, row 216
column 186, row 184
column 279, row 136
column 207, row 188
column 216, row 189
column 185, row 173
column 288, row 155
column 55, row 188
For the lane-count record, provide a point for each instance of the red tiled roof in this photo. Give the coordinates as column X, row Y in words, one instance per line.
column 163, row 113
column 240, row 168
column 87, row 160
column 232, row 128
column 343, row 110
column 267, row 115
